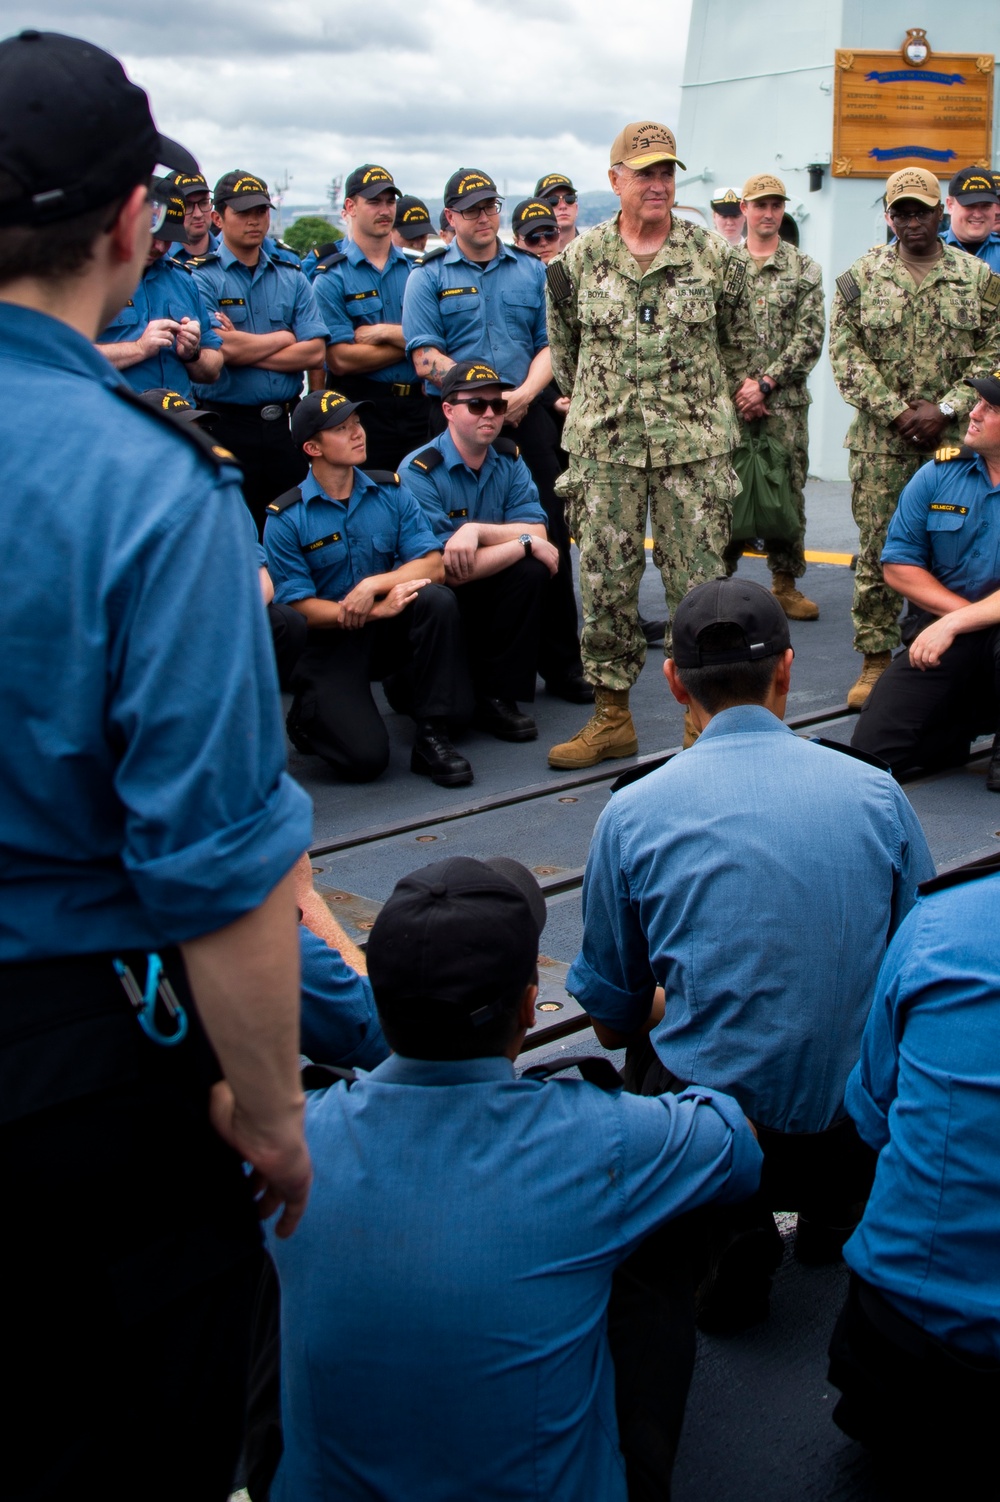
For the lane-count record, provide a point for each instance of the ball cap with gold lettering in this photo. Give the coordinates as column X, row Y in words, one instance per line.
column 467, row 187
column 412, row 217
column 643, row 144
column 553, row 182
column 973, row 185
column 75, row 133
column 763, row 185
column 913, row 182
column 166, row 400
column 369, row 181
column 186, row 183
column 162, row 190
column 241, row 190
column 466, row 376
column 532, row 213
column 320, row 410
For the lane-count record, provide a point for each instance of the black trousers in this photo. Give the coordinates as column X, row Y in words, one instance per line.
column 559, row 640
column 289, row 634
column 130, row 1254
column 394, row 425
column 914, row 718
column 331, row 681
column 271, row 462
column 501, row 616
column 928, row 1410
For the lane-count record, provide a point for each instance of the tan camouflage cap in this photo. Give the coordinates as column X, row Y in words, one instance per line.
column 643, row 144
column 913, row 182
column 763, row 185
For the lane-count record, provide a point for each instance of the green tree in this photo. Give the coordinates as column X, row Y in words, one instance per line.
column 308, row 231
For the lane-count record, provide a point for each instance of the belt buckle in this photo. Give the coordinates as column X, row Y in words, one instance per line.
column 271, row 411
column 401, row 388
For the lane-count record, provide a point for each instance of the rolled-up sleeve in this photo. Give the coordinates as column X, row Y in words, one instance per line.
column 422, row 324
column 907, row 540
column 307, row 320
column 328, row 291
column 212, row 822
column 286, row 564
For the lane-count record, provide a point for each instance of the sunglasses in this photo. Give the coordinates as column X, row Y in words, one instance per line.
column 491, row 206
column 538, row 236
column 904, row 215
column 157, row 215
column 569, row 198
column 479, row 406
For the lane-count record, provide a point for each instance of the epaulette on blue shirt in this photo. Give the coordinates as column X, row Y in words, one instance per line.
column 334, row 259
column 950, row 451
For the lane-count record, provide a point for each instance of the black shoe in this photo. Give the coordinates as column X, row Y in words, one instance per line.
column 298, row 737
column 502, row 718
column 434, row 756
column 653, row 631
column 993, row 775
column 818, row 1244
column 574, row 688
column 736, row 1293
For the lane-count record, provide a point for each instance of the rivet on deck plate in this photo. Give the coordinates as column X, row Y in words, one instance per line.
column 365, row 923
column 317, row 870
column 569, row 800
column 550, row 1006
column 336, row 896
column 426, row 839
column 545, row 870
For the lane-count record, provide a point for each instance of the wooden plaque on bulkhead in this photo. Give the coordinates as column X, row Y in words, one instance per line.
column 889, row 114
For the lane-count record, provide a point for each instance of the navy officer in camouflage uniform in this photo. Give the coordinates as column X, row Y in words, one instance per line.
column 640, row 309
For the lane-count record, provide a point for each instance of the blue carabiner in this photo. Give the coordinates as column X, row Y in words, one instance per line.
column 144, row 1002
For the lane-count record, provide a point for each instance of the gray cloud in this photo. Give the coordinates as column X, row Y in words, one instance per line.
column 518, row 87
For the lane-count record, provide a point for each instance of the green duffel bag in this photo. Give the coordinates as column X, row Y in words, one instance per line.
column 766, row 508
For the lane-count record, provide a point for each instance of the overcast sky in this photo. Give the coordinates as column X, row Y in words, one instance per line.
column 315, row 87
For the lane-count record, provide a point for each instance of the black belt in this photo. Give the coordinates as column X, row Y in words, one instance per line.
column 269, row 412
column 358, row 386
column 909, row 1337
column 75, row 1025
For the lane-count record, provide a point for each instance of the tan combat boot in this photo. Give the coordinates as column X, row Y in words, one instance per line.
column 607, row 734
column 792, row 601
column 875, row 665
column 690, row 733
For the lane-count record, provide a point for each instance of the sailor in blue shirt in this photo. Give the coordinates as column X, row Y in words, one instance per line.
column 972, row 201
column 272, row 332
column 163, row 337
column 359, row 291
column 199, row 235
column 147, row 834
column 482, row 300
column 444, row 1307
column 916, row 1352
column 481, row 502
column 942, row 552
column 756, row 878
column 352, row 552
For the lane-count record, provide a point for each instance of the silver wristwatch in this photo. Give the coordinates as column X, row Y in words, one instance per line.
column 525, row 540
column 946, row 409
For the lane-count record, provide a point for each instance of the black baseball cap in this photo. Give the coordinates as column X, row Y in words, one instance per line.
column 988, row 387
column 973, row 185
column 462, row 932
column 466, row 376
column 241, row 190
column 163, row 191
column 173, row 402
column 75, row 133
column 532, row 213
column 553, row 182
column 319, row 410
column 186, row 183
column 467, row 187
column 729, row 602
column 369, row 181
column 412, row 217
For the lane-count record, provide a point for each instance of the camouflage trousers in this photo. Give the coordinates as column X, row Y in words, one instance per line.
column 690, row 509
column 790, row 427
column 876, row 480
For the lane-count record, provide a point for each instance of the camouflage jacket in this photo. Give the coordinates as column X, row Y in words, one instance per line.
column 784, row 300
column 891, row 341
column 639, row 355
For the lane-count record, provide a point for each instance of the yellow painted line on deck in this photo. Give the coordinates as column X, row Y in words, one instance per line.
column 844, row 559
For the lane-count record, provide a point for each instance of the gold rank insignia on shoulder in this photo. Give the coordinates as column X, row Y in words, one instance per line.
column 949, row 452
column 991, row 292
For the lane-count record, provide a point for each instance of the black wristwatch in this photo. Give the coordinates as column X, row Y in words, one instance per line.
column 525, row 540
column 766, row 386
